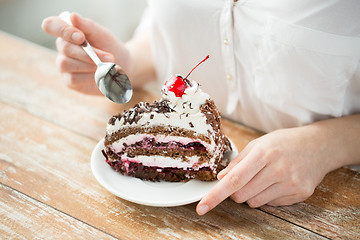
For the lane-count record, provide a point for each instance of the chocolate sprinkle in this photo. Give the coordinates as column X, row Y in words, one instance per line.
column 136, row 113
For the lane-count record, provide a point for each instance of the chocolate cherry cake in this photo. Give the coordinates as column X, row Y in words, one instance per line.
column 174, row 139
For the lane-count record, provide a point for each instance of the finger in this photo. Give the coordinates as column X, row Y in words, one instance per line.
column 286, row 200
column 70, row 65
column 236, row 160
column 74, row 80
column 239, row 175
column 71, row 50
column 269, row 194
column 300, row 193
column 58, row 28
column 256, row 185
column 82, row 82
column 92, row 30
column 76, row 52
column 233, row 163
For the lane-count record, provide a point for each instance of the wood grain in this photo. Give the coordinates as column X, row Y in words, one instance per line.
column 25, row 218
column 51, row 164
column 239, row 134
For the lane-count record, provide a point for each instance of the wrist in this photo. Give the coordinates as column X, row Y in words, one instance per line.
column 315, row 150
column 123, row 57
column 140, row 65
column 338, row 140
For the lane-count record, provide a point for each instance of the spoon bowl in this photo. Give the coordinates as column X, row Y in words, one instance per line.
column 113, row 82
column 110, row 78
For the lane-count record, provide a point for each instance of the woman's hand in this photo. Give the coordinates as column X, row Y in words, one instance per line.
column 77, row 67
column 285, row 166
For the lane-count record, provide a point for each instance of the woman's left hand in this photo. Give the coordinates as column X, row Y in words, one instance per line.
column 279, row 168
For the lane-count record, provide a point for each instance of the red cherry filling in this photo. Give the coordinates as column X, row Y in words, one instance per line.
column 177, row 85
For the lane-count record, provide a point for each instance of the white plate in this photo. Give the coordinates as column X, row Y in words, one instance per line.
column 158, row 194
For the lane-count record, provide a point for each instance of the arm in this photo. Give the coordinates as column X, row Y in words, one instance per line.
column 142, row 69
column 78, row 69
column 285, row 166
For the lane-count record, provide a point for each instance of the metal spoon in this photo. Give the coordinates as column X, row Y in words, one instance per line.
column 109, row 77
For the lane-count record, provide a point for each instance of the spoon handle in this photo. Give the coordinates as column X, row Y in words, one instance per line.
column 65, row 16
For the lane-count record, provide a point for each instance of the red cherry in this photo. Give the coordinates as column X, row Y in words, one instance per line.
column 177, row 85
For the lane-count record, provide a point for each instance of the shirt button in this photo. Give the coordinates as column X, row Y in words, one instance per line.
column 229, row 77
column 226, row 42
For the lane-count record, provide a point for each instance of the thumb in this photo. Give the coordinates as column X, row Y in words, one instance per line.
column 104, row 56
column 97, row 35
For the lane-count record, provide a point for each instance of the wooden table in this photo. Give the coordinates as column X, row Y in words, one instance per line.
column 47, row 134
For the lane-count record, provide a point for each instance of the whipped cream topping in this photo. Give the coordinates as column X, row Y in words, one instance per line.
column 186, row 112
column 195, row 122
column 189, row 102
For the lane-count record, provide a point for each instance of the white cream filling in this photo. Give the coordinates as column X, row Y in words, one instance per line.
column 132, row 139
column 161, row 161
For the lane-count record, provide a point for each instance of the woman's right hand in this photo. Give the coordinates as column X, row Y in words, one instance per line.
column 77, row 67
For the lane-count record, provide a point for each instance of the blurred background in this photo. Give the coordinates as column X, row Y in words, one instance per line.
column 23, row 18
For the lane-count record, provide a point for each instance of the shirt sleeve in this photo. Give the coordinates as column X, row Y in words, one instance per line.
column 145, row 22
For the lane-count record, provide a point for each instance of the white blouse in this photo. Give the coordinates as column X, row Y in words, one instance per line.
column 273, row 64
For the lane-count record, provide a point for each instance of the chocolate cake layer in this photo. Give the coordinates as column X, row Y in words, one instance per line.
column 158, row 130
column 149, row 147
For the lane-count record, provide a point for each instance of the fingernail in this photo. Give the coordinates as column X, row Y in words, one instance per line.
column 107, row 58
column 76, row 36
column 202, row 209
column 221, row 174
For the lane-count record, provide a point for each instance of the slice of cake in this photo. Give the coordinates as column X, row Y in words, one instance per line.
column 175, row 139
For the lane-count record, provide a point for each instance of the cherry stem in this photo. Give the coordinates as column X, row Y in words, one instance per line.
column 206, row 58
